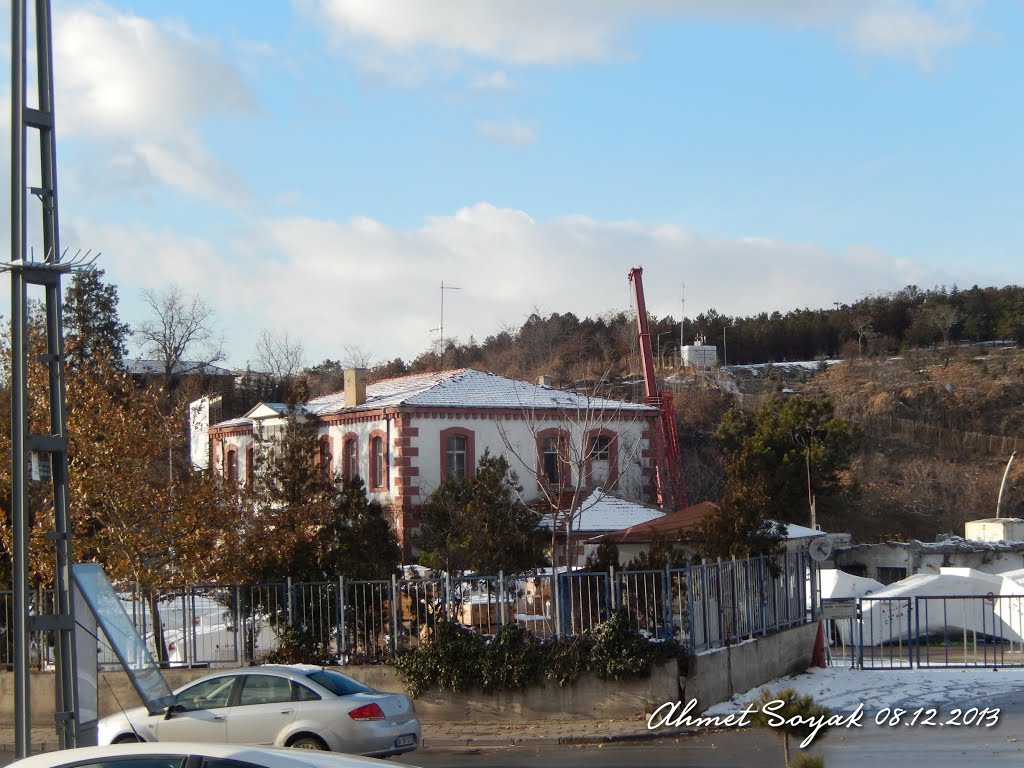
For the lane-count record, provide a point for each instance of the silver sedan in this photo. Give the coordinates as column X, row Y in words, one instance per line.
column 296, row 705
column 192, row 755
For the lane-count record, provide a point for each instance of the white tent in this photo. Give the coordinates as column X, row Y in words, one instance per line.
column 839, row 584
column 889, row 614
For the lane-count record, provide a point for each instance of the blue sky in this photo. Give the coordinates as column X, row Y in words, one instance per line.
column 320, row 167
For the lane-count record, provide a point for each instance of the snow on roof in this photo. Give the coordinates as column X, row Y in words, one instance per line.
column 265, row 410
column 794, row 531
column 949, row 545
column 467, row 388
column 602, row 511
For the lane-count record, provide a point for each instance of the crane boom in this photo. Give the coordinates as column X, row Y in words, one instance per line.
column 668, row 469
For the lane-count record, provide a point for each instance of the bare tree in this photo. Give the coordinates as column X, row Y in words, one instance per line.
column 180, row 330
column 356, row 356
column 279, row 355
column 561, row 447
column 941, row 317
column 861, row 325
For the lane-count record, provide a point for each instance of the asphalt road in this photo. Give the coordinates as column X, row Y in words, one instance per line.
column 906, row 746
column 903, row 745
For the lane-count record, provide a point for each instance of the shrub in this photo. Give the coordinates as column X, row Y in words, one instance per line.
column 514, row 659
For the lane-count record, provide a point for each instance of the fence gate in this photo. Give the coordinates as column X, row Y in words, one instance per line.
column 933, row 631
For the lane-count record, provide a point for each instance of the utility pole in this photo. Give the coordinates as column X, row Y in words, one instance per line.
column 44, row 449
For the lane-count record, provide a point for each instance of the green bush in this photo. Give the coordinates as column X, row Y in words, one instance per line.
column 566, row 658
column 299, row 646
column 458, row 659
column 451, row 663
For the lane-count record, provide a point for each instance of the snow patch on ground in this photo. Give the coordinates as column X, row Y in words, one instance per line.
column 842, row 689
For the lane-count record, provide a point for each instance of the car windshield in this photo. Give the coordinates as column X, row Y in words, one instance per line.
column 337, row 683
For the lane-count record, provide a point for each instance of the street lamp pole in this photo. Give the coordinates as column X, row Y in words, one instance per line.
column 805, row 437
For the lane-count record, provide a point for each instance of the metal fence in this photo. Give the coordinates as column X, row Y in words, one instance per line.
column 932, row 631
column 701, row 606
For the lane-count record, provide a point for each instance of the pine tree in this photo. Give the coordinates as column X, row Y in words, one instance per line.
column 479, row 524
column 92, row 327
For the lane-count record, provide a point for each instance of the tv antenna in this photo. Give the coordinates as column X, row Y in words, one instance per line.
column 441, row 328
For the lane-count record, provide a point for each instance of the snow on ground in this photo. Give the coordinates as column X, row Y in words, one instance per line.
column 841, row 689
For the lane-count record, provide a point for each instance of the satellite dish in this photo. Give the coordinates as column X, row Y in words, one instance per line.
column 820, row 549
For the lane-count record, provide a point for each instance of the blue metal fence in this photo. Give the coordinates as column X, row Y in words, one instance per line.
column 932, row 631
column 702, row 606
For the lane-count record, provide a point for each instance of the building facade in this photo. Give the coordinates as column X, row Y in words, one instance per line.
column 406, row 436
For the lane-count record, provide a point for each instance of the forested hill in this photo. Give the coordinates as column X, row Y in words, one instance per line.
column 571, row 348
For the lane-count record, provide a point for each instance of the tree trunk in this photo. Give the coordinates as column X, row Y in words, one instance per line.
column 785, row 749
column 159, row 641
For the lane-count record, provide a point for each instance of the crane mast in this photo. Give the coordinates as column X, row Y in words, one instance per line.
column 668, row 471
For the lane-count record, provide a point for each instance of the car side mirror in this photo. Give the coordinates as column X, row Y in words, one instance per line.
column 172, row 710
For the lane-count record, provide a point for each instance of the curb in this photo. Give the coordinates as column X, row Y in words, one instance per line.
column 546, row 741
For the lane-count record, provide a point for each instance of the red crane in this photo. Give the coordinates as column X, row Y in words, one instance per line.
column 668, row 471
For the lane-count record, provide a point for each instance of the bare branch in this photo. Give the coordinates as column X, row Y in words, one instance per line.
column 180, row 330
column 278, row 354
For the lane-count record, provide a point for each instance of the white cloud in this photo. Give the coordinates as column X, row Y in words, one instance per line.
column 513, row 132
column 529, row 32
column 362, row 282
column 901, row 29
column 147, row 87
column 498, row 80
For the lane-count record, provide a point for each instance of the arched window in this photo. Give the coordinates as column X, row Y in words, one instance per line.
column 602, row 465
column 552, row 468
column 350, row 458
column 553, row 457
column 231, row 466
column 323, row 459
column 455, row 458
column 458, row 455
column 378, row 463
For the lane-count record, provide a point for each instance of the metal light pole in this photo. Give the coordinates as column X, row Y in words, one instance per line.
column 1002, row 485
column 682, row 327
column 805, row 437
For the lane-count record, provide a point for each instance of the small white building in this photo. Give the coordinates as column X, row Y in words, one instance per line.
column 995, row 529
column 406, row 436
column 700, row 356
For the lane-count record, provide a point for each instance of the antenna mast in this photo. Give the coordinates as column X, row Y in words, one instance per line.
column 50, row 448
column 443, row 289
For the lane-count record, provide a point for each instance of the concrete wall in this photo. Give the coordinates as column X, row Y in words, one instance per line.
column 717, row 675
column 712, row 677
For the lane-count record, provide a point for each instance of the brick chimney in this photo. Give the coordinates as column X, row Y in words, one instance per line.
column 355, row 386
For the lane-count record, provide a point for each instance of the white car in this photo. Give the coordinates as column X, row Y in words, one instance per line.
column 296, row 705
column 193, row 755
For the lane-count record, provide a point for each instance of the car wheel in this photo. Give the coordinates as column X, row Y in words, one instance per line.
column 308, row 742
column 127, row 739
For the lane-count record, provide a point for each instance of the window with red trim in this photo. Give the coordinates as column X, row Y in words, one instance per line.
column 602, row 465
column 323, row 458
column 378, row 462
column 232, row 466
column 350, row 458
column 553, row 457
column 458, row 453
